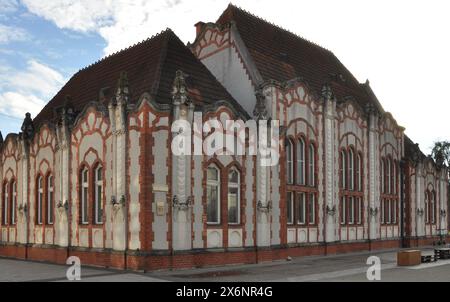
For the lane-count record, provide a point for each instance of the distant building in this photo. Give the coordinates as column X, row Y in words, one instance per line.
column 93, row 174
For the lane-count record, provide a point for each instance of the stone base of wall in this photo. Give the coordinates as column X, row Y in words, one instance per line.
column 140, row 261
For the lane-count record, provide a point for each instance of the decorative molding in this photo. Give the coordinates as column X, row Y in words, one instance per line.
column 63, row 207
column 420, row 212
column 182, row 206
column 443, row 213
column 264, row 208
column 373, row 211
column 331, row 210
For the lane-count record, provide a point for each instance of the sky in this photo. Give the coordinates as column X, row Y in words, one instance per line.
column 402, row 47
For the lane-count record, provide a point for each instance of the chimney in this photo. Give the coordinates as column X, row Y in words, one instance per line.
column 199, row 26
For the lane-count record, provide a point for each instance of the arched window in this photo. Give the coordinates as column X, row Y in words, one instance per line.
column 13, row 203
column 383, row 175
column 343, row 169
column 84, row 194
column 394, row 177
column 40, row 199
column 50, row 199
column 389, row 176
column 290, row 208
column 427, row 207
column 98, row 206
column 311, row 165
column 433, row 207
column 300, row 154
column 359, row 173
column 289, row 162
column 351, row 170
column 5, row 203
column 213, row 195
column 233, row 197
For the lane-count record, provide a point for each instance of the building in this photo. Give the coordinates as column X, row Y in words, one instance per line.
column 93, row 175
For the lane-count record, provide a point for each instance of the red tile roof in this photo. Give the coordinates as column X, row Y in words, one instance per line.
column 281, row 55
column 150, row 66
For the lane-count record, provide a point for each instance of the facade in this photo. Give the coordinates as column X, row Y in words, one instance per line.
column 93, row 175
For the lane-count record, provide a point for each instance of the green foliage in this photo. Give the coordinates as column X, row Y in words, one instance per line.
column 441, row 153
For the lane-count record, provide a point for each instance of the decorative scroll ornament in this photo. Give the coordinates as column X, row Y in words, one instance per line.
column 63, row 207
column 373, row 211
column 327, row 92
column 182, row 206
column 260, row 111
column 264, row 208
column 22, row 208
column 118, row 204
column 420, row 212
column 443, row 213
column 180, row 95
column 331, row 210
column 27, row 127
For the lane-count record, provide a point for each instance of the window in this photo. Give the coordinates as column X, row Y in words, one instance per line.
column 394, row 177
column 312, row 208
column 301, row 208
column 351, row 170
column 40, row 200
column 383, row 176
column 290, row 208
column 233, row 197
column 13, row 203
column 389, row 176
column 213, row 195
column 50, row 199
column 289, row 162
column 84, row 195
column 351, row 194
column 311, row 165
column 343, row 170
column 5, row 204
column 394, row 212
column 98, row 195
column 383, row 212
column 343, row 210
column 359, row 173
column 351, row 210
column 300, row 162
column 433, row 208
column 359, row 210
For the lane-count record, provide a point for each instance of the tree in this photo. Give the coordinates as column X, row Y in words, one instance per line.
column 441, row 153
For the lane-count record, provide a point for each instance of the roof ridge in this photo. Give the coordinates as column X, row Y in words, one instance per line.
column 110, row 56
column 161, row 61
column 231, row 5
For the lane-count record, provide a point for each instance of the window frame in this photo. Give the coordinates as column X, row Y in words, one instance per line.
column 231, row 185
column 84, row 195
column 215, row 183
column 13, row 206
column 50, row 200
column 40, row 200
column 98, row 202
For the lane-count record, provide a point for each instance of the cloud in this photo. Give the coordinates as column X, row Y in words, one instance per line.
column 8, row 6
column 122, row 22
column 11, row 34
column 27, row 90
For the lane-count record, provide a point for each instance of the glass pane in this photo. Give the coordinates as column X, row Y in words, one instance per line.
column 85, row 176
column 233, row 204
column 50, row 207
column 212, row 205
column 99, row 213
column 301, row 208
column 213, row 174
column 343, row 210
column 85, row 206
column 233, row 177
column 311, row 175
column 99, row 173
column 289, row 205
column 289, row 163
column 312, row 208
column 301, row 163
